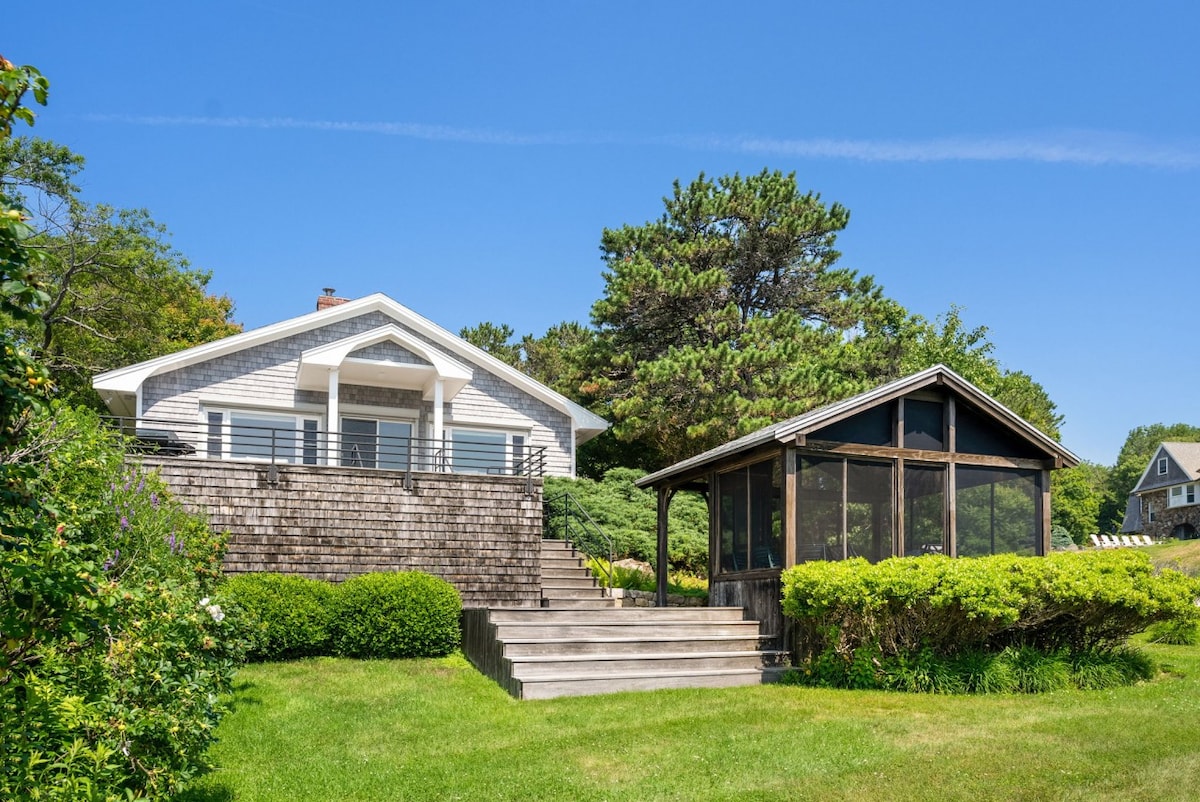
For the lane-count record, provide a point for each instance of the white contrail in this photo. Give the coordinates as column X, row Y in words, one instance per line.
column 1065, row 147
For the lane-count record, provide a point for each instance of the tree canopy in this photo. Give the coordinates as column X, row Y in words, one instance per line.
column 117, row 291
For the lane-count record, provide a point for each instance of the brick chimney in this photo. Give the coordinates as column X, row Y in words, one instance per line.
column 327, row 300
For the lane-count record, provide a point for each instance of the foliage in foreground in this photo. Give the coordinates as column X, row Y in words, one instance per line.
column 972, row 624
column 116, row 642
column 379, row 615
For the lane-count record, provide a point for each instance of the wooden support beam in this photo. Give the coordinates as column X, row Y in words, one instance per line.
column 921, row 455
column 660, row 569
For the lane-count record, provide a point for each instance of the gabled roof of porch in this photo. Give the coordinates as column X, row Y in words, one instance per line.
column 788, row 431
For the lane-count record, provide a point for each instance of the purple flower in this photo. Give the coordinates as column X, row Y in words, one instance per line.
column 141, row 484
column 111, row 562
column 154, row 500
column 124, row 524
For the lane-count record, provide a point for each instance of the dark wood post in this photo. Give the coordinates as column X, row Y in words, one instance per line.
column 660, row 568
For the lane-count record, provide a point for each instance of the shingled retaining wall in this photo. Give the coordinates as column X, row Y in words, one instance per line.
column 480, row 533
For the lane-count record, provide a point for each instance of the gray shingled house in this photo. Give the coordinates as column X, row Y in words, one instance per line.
column 358, row 437
column 1166, row 500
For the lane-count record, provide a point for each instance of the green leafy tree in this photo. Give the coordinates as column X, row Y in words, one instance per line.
column 1135, row 454
column 725, row 314
column 968, row 352
column 117, row 291
column 1075, row 498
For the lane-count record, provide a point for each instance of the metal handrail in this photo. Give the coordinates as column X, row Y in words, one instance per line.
column 307, row 445
column 587, row 536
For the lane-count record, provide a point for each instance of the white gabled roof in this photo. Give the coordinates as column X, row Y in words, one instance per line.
column 127, row 381
column 786, row 431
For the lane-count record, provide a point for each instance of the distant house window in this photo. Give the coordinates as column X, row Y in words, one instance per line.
column 1162, row 466
column 373, row 443
column 1182, row 495
column 1150, row 511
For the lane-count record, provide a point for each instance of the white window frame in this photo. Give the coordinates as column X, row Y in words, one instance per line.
column 514, row 439
column 226, row 414
column 1182, row 496
column 1162, row 466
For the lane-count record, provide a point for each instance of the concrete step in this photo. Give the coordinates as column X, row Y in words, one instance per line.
column 564, row 685
column 568, row 582
column 606, row 665
column 517, row 648
column 554, row 546
column 564, row 567
column 592, row 592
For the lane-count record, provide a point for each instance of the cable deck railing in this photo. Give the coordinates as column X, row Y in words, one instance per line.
column 303, row 443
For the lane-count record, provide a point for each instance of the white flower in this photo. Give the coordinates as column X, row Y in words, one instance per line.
column 204, row 602
column 215, row 611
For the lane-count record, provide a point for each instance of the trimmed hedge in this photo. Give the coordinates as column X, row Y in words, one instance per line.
column 857, row 622
column 403, row 614
column 287, row 616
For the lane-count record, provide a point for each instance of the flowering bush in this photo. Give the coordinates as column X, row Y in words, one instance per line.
column 116, row 642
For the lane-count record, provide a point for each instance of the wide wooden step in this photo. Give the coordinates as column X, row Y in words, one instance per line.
column 607, row 665
column 532, row 647
column 567, row 685
column 621, row 615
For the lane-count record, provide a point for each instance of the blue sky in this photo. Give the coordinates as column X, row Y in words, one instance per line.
column 1034, row 163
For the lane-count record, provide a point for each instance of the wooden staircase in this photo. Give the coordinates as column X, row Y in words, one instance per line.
column 578, row 643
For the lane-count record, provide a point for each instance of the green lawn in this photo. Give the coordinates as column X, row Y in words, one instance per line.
column 331, row 729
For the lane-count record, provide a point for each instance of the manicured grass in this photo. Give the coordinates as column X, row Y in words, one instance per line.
column 329, row 729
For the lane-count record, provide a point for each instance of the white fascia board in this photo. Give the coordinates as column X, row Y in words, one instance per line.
column 128, row 379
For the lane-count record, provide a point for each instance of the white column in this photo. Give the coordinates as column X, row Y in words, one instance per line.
column 439, row 393
column 333, row 422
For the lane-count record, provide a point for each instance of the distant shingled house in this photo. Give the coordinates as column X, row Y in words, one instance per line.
column 358, row 437
column 1166, row 500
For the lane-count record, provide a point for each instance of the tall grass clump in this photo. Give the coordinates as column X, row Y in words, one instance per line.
column 999, row 623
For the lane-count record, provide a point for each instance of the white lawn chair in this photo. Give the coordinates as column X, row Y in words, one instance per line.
column 1096, row 541
column 1108, row 543
column 1146, row 540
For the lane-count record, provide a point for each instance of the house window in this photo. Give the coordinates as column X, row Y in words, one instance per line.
column 1162, row 466
column 261, row 436
column 374, row 443
column 1150, row 514
column 487, row 451
column 751, row 516
column 1182, row 495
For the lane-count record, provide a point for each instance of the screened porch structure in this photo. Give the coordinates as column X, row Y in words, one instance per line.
column 927, row 464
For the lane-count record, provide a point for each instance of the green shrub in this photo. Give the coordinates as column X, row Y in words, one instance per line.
column 117, row 643
column 1060, row 538
column 286, row 616
column 403, row 614
column 935, row 623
